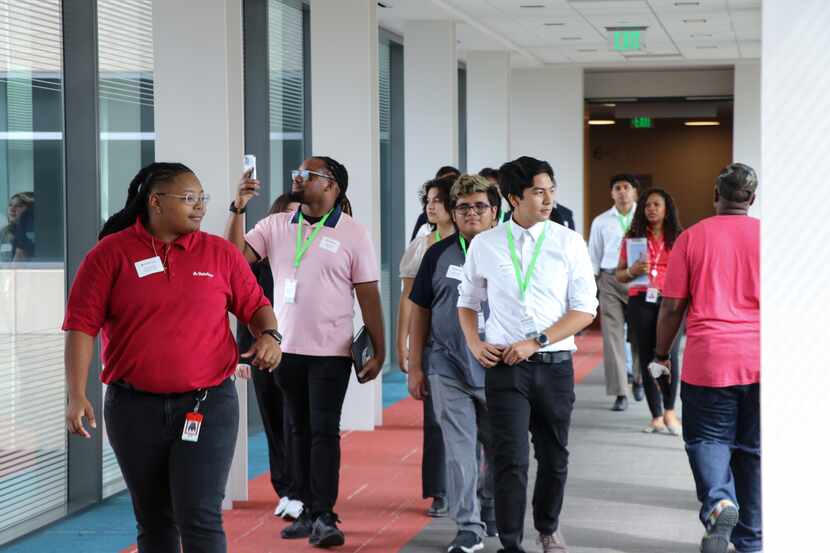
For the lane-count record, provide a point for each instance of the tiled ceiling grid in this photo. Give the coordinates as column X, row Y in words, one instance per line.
column 574, row 31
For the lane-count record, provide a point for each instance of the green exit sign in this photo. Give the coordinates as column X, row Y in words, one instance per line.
column 641, row 123
column 626, row 40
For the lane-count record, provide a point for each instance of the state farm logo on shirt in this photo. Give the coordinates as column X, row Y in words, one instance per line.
column 202, row 274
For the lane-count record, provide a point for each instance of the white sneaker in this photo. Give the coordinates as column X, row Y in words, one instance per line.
column 293, row 509
column 280, row 510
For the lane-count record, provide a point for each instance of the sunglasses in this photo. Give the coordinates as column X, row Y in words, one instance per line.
column 305, row 174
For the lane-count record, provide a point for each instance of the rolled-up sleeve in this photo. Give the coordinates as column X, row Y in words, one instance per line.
column 473, row 288
column 259, row 237
column 246, row 293
column 582, row 287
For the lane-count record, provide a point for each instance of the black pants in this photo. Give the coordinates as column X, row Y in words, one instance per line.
column 276, row 422
column 314, row 390
column 539, row 397
column 177, row 487
column 433, row 462
column 660, row 393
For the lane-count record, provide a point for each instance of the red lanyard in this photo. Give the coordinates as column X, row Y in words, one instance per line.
column 655, row 256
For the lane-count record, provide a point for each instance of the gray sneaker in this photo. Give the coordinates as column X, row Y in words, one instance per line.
column 719, row 527
column 553, row 543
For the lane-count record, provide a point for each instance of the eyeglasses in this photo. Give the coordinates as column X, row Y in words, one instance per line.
column 479, row 208
column 304, row 174
column 189, row 198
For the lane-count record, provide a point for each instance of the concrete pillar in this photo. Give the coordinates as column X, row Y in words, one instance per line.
column 746, row 128
column 199, row 122
column 430, row 105
column 345, row 126
column 488, row 109
column 795, row 162
column 546, row 122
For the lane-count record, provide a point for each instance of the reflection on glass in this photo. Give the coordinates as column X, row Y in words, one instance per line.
column 32, row 391
column 286, row 90
column 125, row 91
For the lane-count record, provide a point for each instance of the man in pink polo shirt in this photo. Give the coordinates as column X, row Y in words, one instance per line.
column 320, row 258
column 714, row 271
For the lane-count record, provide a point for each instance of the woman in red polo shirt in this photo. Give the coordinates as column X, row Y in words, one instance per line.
column 655, row 220
column 159, row 290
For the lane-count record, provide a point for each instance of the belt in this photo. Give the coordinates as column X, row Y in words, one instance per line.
column 550, row 357
column 172, row 395
column 608, row 271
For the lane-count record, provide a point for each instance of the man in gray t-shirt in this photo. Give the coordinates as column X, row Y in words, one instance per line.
column 456, row 379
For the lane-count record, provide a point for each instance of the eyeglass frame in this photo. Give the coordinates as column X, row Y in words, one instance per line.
column 299, row 172
column 479, row 207
column 203, row 198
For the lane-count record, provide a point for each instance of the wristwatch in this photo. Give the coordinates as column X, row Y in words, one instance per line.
column 542, row 339
column 234, row 209
column 273, row 334
column 661, row 358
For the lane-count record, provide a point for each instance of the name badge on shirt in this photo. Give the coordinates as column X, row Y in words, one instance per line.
column 329, row 244
column 529, row 327
column 652, row 295
column 192, row 426
column 456, row 272
column 289, row 293
column 149, row 266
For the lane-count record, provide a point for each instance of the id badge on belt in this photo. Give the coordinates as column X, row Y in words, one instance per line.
column 652, row 295
column 193, row 421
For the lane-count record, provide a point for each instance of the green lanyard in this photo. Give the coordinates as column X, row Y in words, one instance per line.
column 517, row 266
column 463, row 244
column 437, row 235
column 302, row 246
column 625, row 221
column 505, row 217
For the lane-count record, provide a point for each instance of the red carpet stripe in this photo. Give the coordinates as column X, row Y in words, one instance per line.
column 380, row 484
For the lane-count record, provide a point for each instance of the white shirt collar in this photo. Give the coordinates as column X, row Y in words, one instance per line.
column 535, row 231
column 616, row 212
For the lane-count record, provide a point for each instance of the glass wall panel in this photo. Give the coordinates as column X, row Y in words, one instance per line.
column 33, row 450
column 387, row 285
column 287, row 91
column 127, row 140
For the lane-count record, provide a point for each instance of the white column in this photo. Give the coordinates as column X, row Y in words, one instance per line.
column 488, row 109
column 546, row 122
column 198, row 94
column 430, row 105
column 746, row 128
column 795, row 122
column 199, row 122
column 345, row 126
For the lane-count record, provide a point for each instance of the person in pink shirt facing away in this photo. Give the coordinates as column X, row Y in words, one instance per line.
column 714, row 274
column 656, row 221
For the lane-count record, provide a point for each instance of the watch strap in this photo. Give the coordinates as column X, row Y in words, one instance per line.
column 273, row 334
column 234, row 209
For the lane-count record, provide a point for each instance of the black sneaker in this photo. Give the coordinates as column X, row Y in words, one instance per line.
column 719, row 527
column 439, row 508
column 325, row 533
column 465, row 542
column 488, row 517
column 300, row 528
column 620, row 404
column 637, row 391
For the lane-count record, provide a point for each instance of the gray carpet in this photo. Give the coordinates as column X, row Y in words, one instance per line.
column 628, row 492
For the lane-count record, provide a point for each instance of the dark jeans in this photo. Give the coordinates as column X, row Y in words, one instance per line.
column 275, row 421
column 722, row 431
column 177, row 487
column 314, row 390
column 433, row 462
column 642, row 317
column 539, row 397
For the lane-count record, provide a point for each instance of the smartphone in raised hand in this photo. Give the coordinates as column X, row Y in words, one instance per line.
column 249, row 163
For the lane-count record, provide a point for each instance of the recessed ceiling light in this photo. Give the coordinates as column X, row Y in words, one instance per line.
column 571, row 38
column 702, row 123
column 709, row 47
column 697, row 20
column 532, row 6
column 609, row 105
column 700, row 35
column 383, row 5
column 601, row 122
column 554, row 24
column 586, row 50
column 686, row 4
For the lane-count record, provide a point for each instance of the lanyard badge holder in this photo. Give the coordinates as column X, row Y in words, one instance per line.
column 290, row 287
column 528, row 324
column 193, row 421
column 653, row 293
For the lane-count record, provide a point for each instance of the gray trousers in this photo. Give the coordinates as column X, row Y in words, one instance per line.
column 462, row 413
column 613, row 300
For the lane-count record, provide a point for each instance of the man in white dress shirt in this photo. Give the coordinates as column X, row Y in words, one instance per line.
column 607, row 232
column 536, row 277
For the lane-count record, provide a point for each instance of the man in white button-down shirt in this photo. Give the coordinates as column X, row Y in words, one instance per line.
column 537, row 279
column 607, row 232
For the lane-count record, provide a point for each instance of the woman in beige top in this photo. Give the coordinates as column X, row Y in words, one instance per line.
column 436, row 199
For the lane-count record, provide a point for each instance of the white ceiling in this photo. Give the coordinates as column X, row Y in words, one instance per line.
column 680, row 32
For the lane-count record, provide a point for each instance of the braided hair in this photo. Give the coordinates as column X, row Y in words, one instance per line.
column 671, row 224
column 341, row 177
column 138, row 195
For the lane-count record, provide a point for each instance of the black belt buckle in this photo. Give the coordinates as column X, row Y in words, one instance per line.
column 549, row 357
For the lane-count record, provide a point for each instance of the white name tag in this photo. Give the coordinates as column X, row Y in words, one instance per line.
column 329, row 244
column 456, row 272
column 149, row 266
column 529, row 327
column 5, row 248
column 652, row 295
column 481, row 322
column 289, row 293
